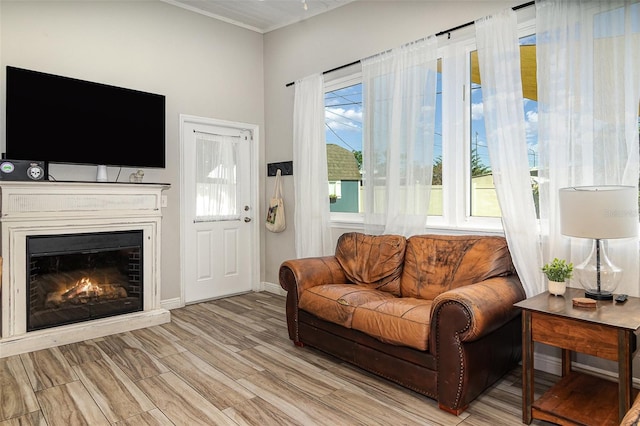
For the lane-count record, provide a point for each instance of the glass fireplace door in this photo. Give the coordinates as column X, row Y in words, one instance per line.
column 80, row 277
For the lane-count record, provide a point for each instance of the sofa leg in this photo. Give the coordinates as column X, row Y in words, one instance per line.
column 298, row 343
column 454, row 411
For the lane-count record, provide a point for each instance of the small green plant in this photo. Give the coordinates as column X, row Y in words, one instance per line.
column 558, row 270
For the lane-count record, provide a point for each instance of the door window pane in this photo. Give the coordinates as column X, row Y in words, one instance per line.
column 216, row 182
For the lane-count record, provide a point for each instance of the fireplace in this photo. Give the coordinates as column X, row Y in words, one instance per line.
column 80, row 260
column 80, row 277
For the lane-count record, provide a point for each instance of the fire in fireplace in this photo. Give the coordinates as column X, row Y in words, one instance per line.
column 80, row 277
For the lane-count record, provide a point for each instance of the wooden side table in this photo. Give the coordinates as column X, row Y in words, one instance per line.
column 609, row 331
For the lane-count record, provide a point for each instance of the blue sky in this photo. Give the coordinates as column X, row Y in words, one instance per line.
column 343, row 116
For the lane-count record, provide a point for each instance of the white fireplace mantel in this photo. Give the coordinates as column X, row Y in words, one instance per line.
column 50, row 208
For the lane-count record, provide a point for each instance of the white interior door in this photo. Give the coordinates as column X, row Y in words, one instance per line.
column 217, row 210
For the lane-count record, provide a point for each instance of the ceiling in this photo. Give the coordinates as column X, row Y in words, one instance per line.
column 260, row 15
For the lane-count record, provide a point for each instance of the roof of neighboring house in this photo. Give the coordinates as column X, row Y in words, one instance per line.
column 341, row 164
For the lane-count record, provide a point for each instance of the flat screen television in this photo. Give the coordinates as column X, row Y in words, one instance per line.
column 65, row 120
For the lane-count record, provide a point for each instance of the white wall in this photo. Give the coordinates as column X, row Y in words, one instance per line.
column 204, row 67
column 209, row 68
column 349, row 33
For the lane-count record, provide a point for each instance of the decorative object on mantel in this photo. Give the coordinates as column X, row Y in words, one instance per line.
column 557, row 272
column 599, row 212
column 584, row 302
column 136, row 177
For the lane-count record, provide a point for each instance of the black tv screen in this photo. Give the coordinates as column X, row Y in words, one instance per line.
column 65, row 120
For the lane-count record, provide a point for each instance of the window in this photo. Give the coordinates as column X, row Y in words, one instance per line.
column 463, row 194
column 484, row 200
column 343, row 128
column 435, row 201
column 343, row 132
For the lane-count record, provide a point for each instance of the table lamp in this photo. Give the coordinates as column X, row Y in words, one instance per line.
column 599, row 212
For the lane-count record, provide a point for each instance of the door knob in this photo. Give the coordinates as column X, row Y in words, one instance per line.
column 247, row 219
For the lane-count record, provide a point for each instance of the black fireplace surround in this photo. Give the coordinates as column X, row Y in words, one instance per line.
column 80, row 277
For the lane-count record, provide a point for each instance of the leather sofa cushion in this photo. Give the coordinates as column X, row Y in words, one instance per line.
column 372, row 260
column 401, row 321
column 434, row 264
column 336, row 302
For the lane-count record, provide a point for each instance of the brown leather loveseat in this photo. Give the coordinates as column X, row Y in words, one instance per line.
column 432, row 313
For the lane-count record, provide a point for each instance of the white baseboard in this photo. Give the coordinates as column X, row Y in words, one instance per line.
column 553, row 365
column 548, row 364
column 169, row 304
column 176, row 302
column 273, row 288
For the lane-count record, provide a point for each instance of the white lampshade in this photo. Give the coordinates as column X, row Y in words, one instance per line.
column 599, row 212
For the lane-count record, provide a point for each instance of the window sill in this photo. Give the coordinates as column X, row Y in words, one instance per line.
column 435, row 225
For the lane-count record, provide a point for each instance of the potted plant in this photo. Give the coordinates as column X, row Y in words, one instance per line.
column 333, row 198
column 557, row 272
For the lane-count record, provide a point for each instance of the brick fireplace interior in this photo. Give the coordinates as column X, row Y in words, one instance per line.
column 81, row 277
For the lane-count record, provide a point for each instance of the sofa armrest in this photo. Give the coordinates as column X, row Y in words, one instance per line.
column 476, row 337
column 476, row 310
column 300, row 274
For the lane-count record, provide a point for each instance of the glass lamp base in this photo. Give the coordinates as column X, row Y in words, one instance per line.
column 597, row 274
column 598, row 295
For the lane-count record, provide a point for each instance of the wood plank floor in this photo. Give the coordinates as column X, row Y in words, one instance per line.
column 222, row 362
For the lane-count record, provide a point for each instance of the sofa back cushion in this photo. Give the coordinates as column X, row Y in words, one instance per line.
column 372, row 260
column 437, row 263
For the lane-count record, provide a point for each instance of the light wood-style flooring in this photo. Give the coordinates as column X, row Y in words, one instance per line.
column 222, row 362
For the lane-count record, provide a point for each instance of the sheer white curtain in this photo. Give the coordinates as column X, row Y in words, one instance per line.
column 216, row 158
column 588, row 95
column 399, row 95
column 499, row 59
column 310, row 177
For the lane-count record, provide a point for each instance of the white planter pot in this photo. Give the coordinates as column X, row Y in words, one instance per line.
column 557, row 288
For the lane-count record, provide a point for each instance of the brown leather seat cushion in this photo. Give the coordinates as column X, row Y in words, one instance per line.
column 372, row 260
column 337, row 302
column 402, row 321
column 434, row 264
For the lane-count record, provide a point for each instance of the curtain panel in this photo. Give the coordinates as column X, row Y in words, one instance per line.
column 399, row 95
column 311, row 217
column 499, row 60
column 216, row 180
column 588, row 96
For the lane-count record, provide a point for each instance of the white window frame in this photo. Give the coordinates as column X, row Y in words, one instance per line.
column 456, row 129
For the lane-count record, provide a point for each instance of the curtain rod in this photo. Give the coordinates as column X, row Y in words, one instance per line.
column 441, row 33
column 218, row 134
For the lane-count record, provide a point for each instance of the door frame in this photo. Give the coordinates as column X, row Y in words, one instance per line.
column 254, row 199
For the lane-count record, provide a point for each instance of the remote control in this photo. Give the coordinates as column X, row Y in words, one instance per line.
column 621, row 298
